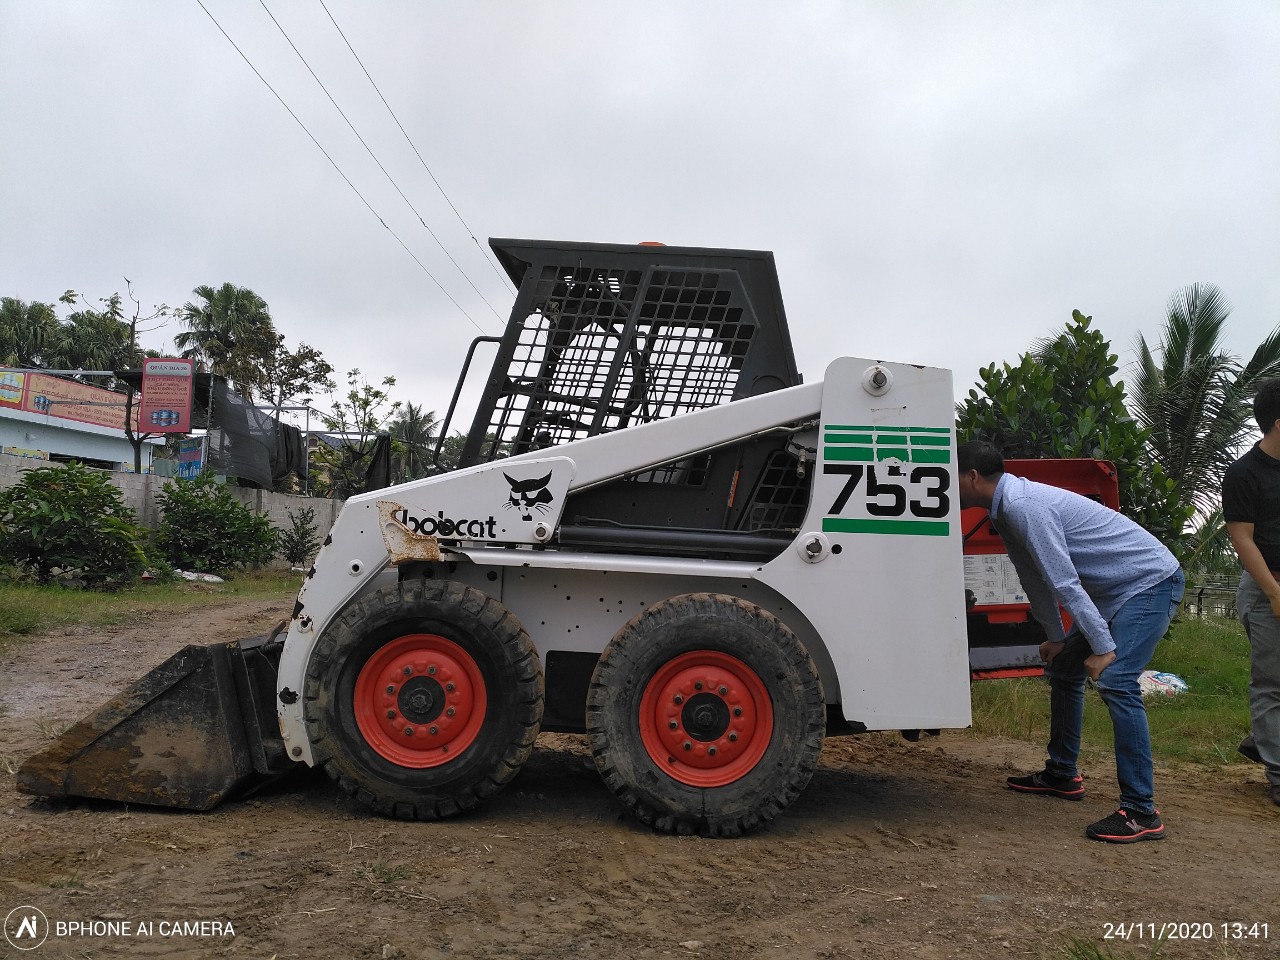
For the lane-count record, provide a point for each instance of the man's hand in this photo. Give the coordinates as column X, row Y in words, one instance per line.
column 1096, row 663
column 1050, row 649
column 1275, row 605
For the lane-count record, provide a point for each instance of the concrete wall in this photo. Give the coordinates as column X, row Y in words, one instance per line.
column 140, row 491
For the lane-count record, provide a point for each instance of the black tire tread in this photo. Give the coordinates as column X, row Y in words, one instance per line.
column 443, row 597
column 616, row 669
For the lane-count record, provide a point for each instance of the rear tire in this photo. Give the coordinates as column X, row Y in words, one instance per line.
column 423, row 699
column 706, row 715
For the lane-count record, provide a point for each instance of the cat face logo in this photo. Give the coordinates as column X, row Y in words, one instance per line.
column 529, row 495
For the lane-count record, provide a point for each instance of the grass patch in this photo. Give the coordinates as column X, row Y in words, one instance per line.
column 1204, row 725
column 384, row 873
column 28, row 609
column 1085, row 950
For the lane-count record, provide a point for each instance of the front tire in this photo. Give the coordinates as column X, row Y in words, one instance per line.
column 423, row 699
column 706, row 715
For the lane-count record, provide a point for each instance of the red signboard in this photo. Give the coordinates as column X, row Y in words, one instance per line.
column 72, row 400
column 166, row 395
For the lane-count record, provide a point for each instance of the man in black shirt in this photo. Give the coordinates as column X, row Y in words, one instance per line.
column 1251, row 508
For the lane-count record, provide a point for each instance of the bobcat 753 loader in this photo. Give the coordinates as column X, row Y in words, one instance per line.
column 658, row 536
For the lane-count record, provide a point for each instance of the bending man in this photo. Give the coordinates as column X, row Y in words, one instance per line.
column 1121, row 587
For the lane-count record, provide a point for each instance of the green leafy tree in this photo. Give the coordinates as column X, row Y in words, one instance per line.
column 413, row 436
column 357, row 417
column 230, row 329
column 300, row 541
column 204, row 528
column 71, row 519
column 107, row 339
column 288, row 374
column 92, row 339
column 1061, row 401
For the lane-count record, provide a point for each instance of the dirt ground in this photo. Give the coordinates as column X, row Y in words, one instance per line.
column 895, row 849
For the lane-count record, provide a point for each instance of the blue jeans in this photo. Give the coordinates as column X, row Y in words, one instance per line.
column 1136, row 628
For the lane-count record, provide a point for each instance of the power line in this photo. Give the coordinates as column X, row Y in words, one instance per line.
column 471, row 233
column 336, row 167
column 369, row 150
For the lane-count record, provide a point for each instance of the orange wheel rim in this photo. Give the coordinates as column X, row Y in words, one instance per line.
column 706, row 718
column 420, row 701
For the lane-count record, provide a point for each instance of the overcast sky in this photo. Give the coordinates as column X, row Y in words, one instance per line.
column 940, row 182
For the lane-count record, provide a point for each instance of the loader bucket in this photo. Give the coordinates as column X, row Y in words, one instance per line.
column 193, row 731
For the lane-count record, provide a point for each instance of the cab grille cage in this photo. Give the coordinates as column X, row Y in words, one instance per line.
column 604, row 349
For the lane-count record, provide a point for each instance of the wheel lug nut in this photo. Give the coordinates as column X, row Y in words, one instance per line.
column 724, row 691
column 391, row 714
column 733, row 738
column 737, row 711
column 391, row 688
column 408, row 731
column 679, row 698
column 697, row 685
column 433, row 730
column 673, row 725
column 449, row 686
column 688, row 745
column 408, row 671
column 711, row 751
column 450, row 712
column 432, row 669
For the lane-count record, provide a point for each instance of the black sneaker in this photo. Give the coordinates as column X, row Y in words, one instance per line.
column 1125, row 827
column 1044, row 782
column 1249, row 748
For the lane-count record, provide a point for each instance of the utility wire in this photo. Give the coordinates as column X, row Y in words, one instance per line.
column 375, row 159
column 502, row 276
column 338, row 168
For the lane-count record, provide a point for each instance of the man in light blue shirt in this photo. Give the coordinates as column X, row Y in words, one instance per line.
column 1121, row 587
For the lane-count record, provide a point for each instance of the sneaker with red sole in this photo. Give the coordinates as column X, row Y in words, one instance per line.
column 1126, row 827
column 1049, row 785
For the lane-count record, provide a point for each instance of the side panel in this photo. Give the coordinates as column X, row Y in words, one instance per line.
column 879, row 569
column 578, row 606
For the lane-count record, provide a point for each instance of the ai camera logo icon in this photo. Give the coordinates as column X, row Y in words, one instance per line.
column 26, row 927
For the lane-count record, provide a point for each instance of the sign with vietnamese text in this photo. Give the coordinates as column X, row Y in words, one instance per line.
column 166, row 395
column 73, row 400
column 190, row 457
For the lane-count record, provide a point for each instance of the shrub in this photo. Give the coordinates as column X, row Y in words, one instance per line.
column 68, row 522
column 204, row 528
column 300, row 541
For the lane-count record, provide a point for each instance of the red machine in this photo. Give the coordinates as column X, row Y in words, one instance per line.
column 1004, row 640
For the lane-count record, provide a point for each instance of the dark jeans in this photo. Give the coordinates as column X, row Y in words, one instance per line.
column 1136, row 629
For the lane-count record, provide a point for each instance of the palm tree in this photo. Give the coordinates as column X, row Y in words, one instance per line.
column 27, row 332
column 413, row 435
column 231, row 331
column 1194, row 397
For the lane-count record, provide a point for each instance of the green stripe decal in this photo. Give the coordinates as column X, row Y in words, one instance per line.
column 856, row 454
column 860, row 443
column 930, row 456
column 864, row 429
column 923, row 528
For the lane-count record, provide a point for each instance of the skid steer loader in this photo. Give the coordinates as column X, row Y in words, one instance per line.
column 658, row 536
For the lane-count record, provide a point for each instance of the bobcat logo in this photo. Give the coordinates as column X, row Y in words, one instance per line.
column 529, row 495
